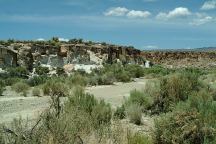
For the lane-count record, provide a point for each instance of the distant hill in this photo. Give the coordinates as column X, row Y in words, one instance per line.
column 203, row 49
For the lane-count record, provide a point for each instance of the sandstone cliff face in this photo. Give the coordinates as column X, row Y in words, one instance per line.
column 25, row 57
column 32, row 54
column 179, row 59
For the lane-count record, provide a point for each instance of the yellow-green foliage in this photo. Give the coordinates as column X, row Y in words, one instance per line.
column 174, row 88
column 36, row 92
column 54, row 87
column 20, row 87
column 139, row 138
column 134, row 113
column 192, row 121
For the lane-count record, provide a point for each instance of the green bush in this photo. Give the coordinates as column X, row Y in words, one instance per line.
column 106, row 79
column 76, row 80
column 120, row 112
column 139, row 138
column 12, row 80
column 17, row 72
column 135, row 71
column 37, row 80
column 99, row 111
column 42, row 70
column 55, row 88
column 93, row 80
column 83, row 100
column 36, row 92
column 20, row 87
column 174, row 88
column 139, row 98
column 134, row 112
column 101, row 114
column 157, row 71
column 192, row 121
column 123, row 76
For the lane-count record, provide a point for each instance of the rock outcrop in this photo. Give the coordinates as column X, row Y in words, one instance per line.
column 25, row 57
column 177, row 59
column 59, row 54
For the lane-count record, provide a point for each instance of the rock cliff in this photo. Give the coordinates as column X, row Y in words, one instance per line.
column 177, row 59
column 59, row 54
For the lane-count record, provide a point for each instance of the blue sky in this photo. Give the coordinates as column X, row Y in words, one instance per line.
column 145, row 24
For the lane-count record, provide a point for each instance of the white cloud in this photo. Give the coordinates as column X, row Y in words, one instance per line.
column 40, row 39
column 209, row 5
column 117, row 11
column 138, row 14
column 122, row 11
column 179, row 12
column 202, row 19
column 63, row 39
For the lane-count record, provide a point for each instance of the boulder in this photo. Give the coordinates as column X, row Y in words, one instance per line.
column 68, row 68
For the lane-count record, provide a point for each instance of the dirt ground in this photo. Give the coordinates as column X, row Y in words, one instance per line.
column 13, row 105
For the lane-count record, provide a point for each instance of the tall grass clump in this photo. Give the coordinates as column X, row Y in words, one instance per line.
column 139, row 138
column 120, row 112
column 134, row 113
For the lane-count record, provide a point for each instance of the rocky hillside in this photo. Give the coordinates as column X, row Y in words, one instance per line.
column 54, row 53
column 58, row 54
column 204, row 59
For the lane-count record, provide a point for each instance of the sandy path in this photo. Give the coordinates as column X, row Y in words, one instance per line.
column 13, row 106
column 115, row 94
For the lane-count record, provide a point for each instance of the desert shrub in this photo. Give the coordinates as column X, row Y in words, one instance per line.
column 135, row 71
column 85, row 101
column 20, row 87
column 123, row 76
column 106, row 79
column 37, row 80
column 12, row 80
column 36, row 92
column 93, row 80
column 134, row 113
column 101, row 114
column 157, row 71
column 120, row 112
column 41, row 70
column 139, row 98
column 76, row 79
column 192, row 121
column 55, row 88
column 174, row 88
column 80, row 117
column 17, row 72
column 139, row 138
column 100, row 111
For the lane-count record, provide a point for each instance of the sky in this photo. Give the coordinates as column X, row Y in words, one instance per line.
column 144, row 24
